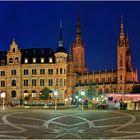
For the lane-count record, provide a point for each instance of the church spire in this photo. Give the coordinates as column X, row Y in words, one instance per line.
column 127, row 40
column 60, row 36
column 122, row 29
column 78, row 33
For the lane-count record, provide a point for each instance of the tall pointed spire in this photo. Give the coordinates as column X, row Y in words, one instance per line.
column 127, row 40
column 60, row 35
column 78, row 33
column 122, row 29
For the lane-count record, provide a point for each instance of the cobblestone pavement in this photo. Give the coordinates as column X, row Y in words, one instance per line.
column 69, row 124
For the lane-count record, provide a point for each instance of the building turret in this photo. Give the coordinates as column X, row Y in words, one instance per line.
column 61, row 63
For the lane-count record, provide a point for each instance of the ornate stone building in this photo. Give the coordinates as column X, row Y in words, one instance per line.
column 25, row 72
column 117, row 80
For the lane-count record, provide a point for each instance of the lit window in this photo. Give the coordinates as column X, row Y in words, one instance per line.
column 34, row 60
column 61, row 59
column 42, row 60
column 25, row 93
column 26, row 60
column 33, row 93
column 50, row 60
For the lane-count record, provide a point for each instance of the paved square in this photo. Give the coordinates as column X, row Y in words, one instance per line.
column 69, row 124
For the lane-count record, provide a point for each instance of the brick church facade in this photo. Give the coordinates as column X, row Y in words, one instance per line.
column 120, row 80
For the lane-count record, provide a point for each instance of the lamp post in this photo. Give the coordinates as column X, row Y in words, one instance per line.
column 55, row 94
column 82, row 93
column 3, row 96
column 66, row 101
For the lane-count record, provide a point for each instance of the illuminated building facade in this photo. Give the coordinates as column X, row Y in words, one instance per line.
column 120, row 80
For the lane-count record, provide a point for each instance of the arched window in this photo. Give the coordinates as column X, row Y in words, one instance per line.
column 16, row 59
column 13, row 83
column 33, row 93
column 25, row 93
column 11, row 60
column 13, row 94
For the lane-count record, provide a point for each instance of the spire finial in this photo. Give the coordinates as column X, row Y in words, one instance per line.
column 13, row 41
column 60, row 35
column 122, row 27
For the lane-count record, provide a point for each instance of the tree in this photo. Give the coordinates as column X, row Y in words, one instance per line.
column 45, row 94
column 136, row 89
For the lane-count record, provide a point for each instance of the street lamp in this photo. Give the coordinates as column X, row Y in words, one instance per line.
column 55, row 94
column 66, row 101
column 82, row 93
column 3, row 96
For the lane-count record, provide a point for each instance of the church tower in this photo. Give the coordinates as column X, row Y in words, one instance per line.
column 121, row 59
column 79, row 51
column 128, row 54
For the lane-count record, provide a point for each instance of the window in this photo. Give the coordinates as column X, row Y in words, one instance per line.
column 26, row 82
column 34, row 60
column 56, row 71
column 61, row 71
column 25, row 93
column 103, row 80
column 2, row 83
column 33, row 93
column 61, row 58
column 50, row 82
column 50, row 60
column 26, row 60
column 2, row 62
column 33, row 71
column 33, row 82
column 13, row 49
column 16, row 59
column 13, row 94
column 50, row 71
column 42, row 71
column 13, row 83
column 42, row 60
column 26, row 72
column 2, row 73
column 109, row 79
column 61, row 82
column 56, row 82
column 13, row 72
column 41, row 82
column 11, row 60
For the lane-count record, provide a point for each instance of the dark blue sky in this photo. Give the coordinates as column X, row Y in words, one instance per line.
column 36, row 24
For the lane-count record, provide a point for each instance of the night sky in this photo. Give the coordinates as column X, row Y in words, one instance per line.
column 36, row 24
